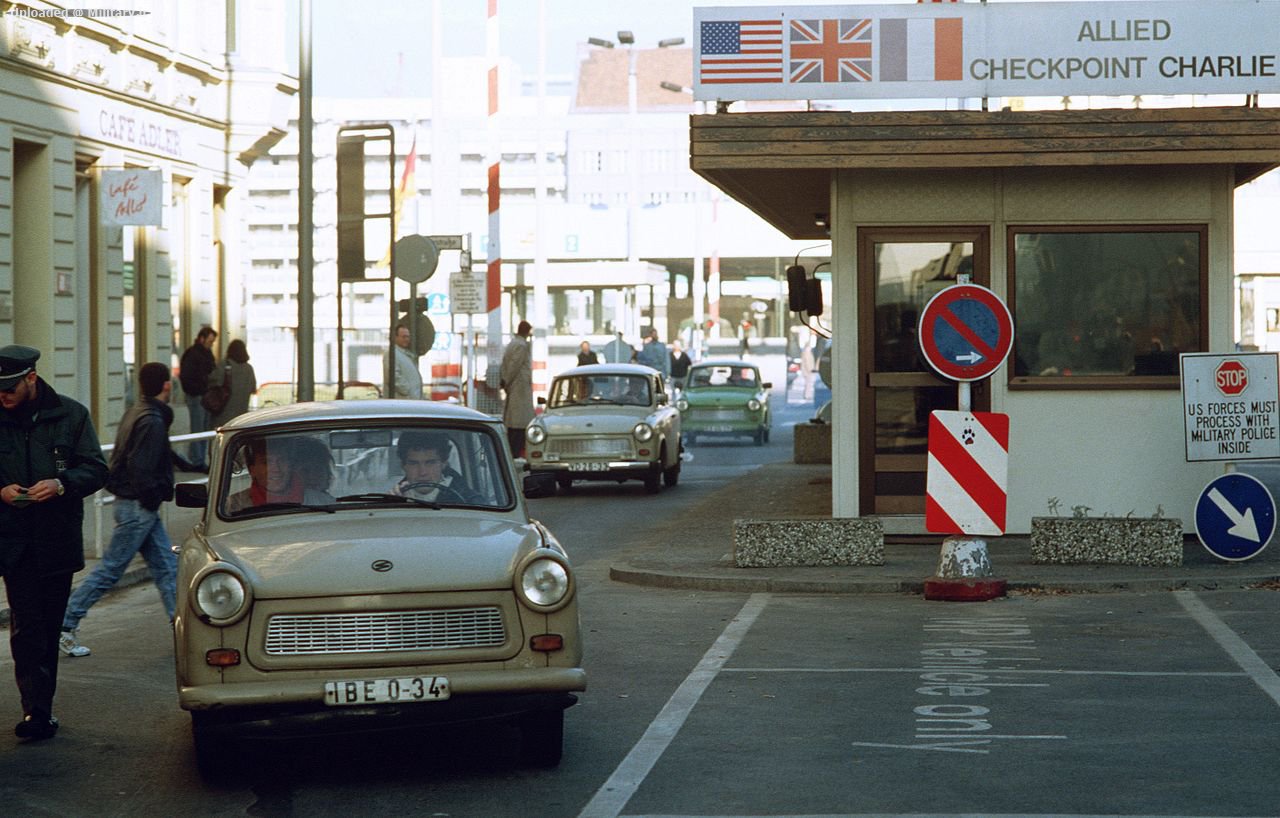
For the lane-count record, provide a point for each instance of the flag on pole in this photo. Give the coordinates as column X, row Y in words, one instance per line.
column 407, row 190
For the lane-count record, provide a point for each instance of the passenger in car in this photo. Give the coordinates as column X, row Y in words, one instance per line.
column 276, row 478
column 424, row 456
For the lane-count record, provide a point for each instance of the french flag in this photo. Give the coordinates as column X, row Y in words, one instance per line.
column 921, row 49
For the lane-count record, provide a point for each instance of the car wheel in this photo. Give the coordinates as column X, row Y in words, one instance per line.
column 216, row 759
column 759, row 436
column 672, row 475
column 653, row 482
column 542, row 738
column 766, row 434
column 565, row 482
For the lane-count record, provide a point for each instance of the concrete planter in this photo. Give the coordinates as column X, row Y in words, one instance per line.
column 1106, row 541
column 812, row 443
column 813, row 542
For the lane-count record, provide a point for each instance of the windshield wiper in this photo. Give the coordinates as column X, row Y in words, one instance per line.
column 278, row 506
column 387, row 497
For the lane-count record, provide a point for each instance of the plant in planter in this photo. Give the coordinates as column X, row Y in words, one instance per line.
column 1105, row 540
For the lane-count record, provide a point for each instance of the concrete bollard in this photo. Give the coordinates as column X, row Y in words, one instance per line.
column 964, row 573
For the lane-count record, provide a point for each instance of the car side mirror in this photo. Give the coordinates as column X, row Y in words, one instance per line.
column 539, row 485
column 767, row 385
column 542, row 401
column 191, row 495
column 662, row 400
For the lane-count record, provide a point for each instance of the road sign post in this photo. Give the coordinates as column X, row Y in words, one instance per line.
column 1235, row 517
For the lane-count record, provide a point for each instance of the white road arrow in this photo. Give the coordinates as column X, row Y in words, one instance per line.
column 969, row 357
column 1242, row 525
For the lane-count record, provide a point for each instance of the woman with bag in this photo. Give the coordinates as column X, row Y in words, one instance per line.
column 238, row 372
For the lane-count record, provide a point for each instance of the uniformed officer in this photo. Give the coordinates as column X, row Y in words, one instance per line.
column 50, row 460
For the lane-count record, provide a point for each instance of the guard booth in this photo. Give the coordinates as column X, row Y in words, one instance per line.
column 1108, row 232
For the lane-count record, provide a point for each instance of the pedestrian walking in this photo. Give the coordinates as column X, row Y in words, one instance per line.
column 408, row 380
column 618, row 351
column 586, row 355
column 654, row 354
column 680, row 362
column 50, row 460
column 516, row 378
column 194, row 369
column 141, row 478
column 237, row 372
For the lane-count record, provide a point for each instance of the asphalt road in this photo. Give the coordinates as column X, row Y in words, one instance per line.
column 722, row 704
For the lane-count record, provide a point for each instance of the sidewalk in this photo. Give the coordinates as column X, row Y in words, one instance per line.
column 695, row 551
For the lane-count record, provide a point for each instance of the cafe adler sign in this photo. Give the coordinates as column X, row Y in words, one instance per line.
column 987, row 49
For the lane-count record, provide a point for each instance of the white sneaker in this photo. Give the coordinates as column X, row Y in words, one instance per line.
column 68, row 644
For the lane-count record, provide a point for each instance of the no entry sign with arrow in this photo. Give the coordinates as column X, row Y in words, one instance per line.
column 1235, row 516
column 966, row 332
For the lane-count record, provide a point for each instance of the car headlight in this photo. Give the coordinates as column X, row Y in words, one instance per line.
column 535, row 434
column 220, row 597
column 682, row 405
column 643, row 432
column 545, row 583
column 753, row 405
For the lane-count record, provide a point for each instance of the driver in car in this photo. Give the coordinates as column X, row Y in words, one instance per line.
column 424, row 456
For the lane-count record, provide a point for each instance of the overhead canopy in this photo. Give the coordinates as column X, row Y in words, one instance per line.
column 781, row 164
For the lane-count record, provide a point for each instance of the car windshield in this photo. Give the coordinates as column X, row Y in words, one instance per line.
column 352, row 466
column 720, row 375
column 591, row 390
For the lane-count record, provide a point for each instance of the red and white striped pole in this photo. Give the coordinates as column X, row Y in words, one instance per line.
column 493, row 280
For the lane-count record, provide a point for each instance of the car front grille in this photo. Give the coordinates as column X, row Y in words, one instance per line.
column 719, row 414
column 384, row 632
column 590, row 446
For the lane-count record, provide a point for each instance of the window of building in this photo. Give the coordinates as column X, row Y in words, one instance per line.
column 1106, row 306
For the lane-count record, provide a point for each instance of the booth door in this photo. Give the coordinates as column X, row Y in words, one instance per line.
column 899, row 270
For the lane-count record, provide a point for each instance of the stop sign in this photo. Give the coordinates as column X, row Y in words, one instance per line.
column 1231, row 377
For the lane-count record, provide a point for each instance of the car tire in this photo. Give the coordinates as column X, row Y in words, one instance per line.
column 565, row 482
column 759, row 436
column 672, row 475
column 653, row 482
column 542, row 738
column 216, row 758
column 766, row 434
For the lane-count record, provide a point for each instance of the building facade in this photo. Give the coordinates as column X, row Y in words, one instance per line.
column 187, row 95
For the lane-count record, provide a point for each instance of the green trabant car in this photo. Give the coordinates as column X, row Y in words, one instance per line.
column 368, row 565
column 607, row 422
column 725, row 398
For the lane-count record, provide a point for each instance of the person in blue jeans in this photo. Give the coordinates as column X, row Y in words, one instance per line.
column 140, row 475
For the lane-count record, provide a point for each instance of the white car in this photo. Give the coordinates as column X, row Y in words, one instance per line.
column 607, row 422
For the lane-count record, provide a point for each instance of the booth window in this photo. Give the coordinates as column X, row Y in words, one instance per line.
column 1106, row 307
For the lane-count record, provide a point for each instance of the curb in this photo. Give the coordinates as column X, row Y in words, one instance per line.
column 694, row 581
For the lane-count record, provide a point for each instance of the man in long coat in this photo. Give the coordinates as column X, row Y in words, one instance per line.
column 516, row 377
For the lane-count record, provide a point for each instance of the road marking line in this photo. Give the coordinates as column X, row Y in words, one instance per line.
column 1261, row 673
column 614, row 794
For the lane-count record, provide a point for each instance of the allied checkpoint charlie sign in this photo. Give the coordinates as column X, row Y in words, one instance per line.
column 984, row 50
column 1231, row 407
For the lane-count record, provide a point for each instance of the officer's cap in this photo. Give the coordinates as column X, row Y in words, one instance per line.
column 16, row 362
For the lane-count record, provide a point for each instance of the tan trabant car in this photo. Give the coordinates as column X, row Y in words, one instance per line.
column 371, row 564
column 607, row 422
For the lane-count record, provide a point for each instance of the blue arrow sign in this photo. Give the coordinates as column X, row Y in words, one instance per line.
column 1235, row 516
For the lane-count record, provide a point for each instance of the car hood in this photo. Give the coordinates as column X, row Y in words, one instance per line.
column 594, row 420
column 427, row 551
column 733, row 396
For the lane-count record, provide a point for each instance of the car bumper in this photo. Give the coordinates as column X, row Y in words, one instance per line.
column 711, row 428
column 614, row 470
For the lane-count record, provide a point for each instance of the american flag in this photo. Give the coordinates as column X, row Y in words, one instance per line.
column 740, row 51
column 831, row 50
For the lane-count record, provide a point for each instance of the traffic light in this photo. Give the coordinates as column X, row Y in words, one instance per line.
column 351, row 265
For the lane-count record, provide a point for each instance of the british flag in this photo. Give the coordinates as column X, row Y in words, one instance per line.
column 831, row 50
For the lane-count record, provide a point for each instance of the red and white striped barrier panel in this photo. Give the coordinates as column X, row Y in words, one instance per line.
column 966, row 489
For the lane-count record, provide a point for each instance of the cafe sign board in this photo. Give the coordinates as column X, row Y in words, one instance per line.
column 940, row 50
column 1230, row 406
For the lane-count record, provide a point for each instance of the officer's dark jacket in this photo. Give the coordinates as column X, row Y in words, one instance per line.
column 56, row 440
column 141, row 463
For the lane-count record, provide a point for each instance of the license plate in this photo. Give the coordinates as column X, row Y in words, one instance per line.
column 588, row 467
column 386, row 691
column 718, row 428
